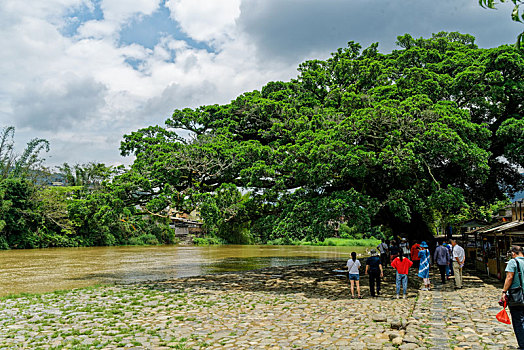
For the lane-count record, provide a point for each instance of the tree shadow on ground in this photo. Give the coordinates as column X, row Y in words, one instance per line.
column 314, row 280
column 475, row 278
column 471, row 279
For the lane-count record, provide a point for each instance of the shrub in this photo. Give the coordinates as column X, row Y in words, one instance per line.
column 209, row 240
column 280, row 241
column 3, row 244
column 145, row 239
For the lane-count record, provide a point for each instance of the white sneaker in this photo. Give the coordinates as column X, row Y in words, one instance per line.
column 398, row 296
column 404, row 296
column 424, row 288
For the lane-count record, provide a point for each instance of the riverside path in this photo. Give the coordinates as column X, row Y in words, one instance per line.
column 294, row 307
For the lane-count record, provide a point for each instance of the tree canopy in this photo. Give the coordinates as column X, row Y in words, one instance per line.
column 397, row 139
column 89, row 211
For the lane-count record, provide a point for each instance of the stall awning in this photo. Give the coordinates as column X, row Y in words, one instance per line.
column 504, row 227
column 509, row 225
column 488, row 228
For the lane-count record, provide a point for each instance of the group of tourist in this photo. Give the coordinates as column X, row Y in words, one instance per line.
column 449, row 258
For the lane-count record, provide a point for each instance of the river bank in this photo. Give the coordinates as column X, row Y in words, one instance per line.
column 304, row 307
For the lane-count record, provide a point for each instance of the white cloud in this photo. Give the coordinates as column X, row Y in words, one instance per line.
column 120, row 11
column 49, row 9
column 283, row 30
column 85, row 90
column 71, row 90
column 97, row 29
column 206, row 20
column 64, row 102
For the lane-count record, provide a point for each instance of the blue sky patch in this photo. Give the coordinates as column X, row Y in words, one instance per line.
column 134, row 62
column 79, row 15
column 148, row 30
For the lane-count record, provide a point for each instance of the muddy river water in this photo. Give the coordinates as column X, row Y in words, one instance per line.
column 45, row 270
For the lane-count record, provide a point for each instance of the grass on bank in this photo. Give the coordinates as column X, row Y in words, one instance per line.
column 56, row 292
column 350, row 235
column 209, row 240
column 333, row 242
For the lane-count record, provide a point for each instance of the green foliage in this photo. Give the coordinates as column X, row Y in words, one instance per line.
column 102, row 218
column 345, row 231
column 365, row 143
column 333, row 242
column 208, row 240
column 4, row 245
column 400, row 140
column 20, row 221
column 348, row 232
column 283, row 241
column 92, row 211
column 145, row 239
column 53, row 205
column 365, row 242
column 90, row 175
column 225, row 215
column 311, row 216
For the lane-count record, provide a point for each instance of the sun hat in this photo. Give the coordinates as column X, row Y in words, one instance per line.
column 424, row 244
column 373, row 252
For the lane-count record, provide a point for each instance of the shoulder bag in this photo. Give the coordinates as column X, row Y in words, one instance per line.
column 516, row 295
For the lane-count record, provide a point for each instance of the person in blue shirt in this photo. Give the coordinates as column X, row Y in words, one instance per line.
column 423, row 270
column 449, row 270
column 442, row 259
column 513, row 280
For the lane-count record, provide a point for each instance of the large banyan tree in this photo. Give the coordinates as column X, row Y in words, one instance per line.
column 399, row 139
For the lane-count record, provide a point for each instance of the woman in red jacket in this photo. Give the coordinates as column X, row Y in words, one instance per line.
column 402, row 266
column 414, row 254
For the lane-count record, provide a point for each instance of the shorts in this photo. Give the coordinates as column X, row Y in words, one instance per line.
column 354, row 277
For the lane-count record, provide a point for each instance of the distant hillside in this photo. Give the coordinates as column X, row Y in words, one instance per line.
column 48, row 179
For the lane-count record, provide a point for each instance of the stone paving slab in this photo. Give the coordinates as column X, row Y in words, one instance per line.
column 463, row 318
column 299, row 307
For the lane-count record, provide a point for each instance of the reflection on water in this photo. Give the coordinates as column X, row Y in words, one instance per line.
column 44, row 270
column 253, row 263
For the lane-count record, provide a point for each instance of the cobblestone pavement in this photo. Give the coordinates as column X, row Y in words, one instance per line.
column 463, row 318
column 299, row 307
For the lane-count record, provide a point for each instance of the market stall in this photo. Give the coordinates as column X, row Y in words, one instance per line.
column 495, row 243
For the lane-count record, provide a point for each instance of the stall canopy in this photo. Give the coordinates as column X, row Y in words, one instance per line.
column 488, row 227
column 500, row 228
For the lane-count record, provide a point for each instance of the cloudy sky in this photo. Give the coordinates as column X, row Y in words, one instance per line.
column 82, row 73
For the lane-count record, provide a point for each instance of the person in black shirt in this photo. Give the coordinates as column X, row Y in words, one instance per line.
column 375, row 272
column 394, row 249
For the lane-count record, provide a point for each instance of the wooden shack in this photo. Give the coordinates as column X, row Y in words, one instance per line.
column 185, row 227
column 493, row 245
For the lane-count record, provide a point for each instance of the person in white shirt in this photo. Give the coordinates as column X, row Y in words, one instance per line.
column 404, row 247
column 459, row 258
column 353, row 265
